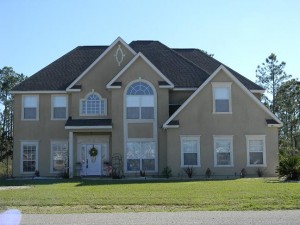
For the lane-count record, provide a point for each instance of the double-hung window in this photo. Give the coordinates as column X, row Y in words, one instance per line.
column 139, row 101
column 29, row 156
column 221, row 97
column 59, row 156
column 256, row 150
column 30, row 107
column 140, row 155
column 223, row 150
column 59, row 106
column 190, row 150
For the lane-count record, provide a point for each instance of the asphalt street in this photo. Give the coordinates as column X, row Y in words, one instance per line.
column 291, row 217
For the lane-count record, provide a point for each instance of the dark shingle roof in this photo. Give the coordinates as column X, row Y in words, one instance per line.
column 183, row 67
column 87, row 122
column 209, row 64
column 62, row 72
column 179, row 70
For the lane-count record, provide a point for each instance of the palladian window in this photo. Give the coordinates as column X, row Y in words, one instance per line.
column 93, row 105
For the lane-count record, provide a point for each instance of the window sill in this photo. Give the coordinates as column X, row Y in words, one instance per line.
column 186, row 166
column 223, row 165
column 256, row 165
column 59, row 119
column 222, row 113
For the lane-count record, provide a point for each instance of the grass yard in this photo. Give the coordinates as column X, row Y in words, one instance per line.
column 70, row 196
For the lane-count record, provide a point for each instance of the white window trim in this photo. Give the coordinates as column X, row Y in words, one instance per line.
column 52, row 107
column 51, row 153
column 223, row 137
column 37, row 108
column 190, row 137
column 221, row 84
column 100, row 98
column 256, row 137
column 36, row 143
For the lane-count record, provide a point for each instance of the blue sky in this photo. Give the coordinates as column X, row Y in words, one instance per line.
column 241, row 34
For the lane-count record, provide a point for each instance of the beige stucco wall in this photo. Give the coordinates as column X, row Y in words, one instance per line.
column 140, row 130
column 246, row 119
column 43, row 130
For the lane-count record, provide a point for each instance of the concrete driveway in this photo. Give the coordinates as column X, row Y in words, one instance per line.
column 291, row 217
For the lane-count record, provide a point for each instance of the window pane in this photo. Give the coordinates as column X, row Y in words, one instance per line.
column 147, row 150
column 147, row 112
column 222, row 105
column 256, row 145
column 190, row 159
column 147, row 101
column 148, row 164
column 221, row 93
column 59, row 112
column 60, row 157
column 29, row 113
column 223, row 146
column 29, row 166
column 133, row 150
column 140, row 88
column 132, row 101
column 30, row 101
column 133, row 112
column 133, row 164
column 189, row 146
column 223, row 159
column 59, row 101
column 256, row 158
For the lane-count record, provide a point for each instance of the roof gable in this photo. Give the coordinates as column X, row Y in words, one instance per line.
column 221, row 67
column 119, row 40
column 140, row 55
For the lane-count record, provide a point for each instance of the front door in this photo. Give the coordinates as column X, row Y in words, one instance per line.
column 93, row 163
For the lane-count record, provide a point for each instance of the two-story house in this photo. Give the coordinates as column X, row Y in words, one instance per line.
column 145, row 104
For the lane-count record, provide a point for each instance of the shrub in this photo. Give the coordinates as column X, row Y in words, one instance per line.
column 142, row 173
column 208, row 173
column 189, row 171
column 260, row 172
column 167, row 172
column 243, row 173
column 289, row 167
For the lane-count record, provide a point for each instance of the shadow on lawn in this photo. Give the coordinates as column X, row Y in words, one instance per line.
column 93, row 181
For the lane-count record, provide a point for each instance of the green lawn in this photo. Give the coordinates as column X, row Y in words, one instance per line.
column 68, row 196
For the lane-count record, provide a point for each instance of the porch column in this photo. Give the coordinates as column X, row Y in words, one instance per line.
column 71, row 154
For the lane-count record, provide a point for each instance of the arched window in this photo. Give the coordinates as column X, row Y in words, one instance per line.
column 139, row 101
column 93, row 104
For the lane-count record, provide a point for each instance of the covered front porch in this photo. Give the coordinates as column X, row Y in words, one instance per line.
column 89, row 147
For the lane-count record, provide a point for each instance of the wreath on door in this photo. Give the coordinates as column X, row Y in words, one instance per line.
column 93, row 152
